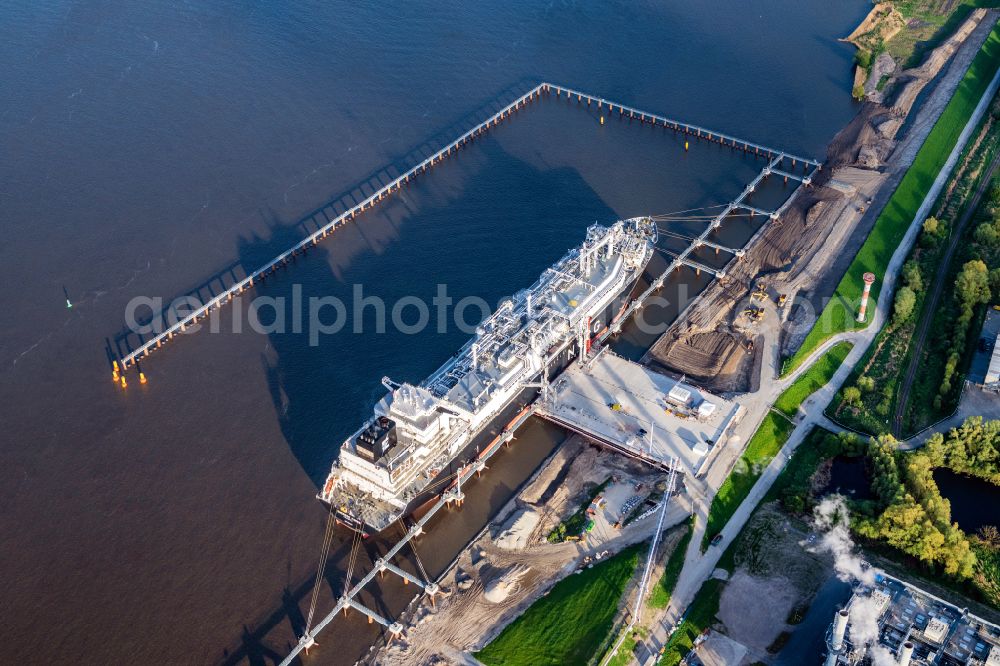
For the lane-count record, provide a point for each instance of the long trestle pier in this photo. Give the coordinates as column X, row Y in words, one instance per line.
column 775, row 158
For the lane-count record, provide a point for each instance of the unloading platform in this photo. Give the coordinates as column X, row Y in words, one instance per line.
column 639, row 412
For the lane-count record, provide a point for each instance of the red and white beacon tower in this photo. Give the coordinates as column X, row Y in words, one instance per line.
column 869, row 278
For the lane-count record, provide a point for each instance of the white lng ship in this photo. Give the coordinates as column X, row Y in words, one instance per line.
column 401, row 457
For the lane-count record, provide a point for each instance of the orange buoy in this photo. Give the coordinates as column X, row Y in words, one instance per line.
column 142, row 377
column 685, row 145
column 124, row 383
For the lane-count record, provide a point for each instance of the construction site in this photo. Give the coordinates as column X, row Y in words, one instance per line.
column 677, row 408
column 767, row 302
column 514, row 561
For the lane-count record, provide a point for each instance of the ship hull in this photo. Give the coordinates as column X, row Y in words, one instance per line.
column 480, row 444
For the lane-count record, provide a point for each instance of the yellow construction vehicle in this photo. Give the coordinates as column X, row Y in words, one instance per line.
column 781, row 299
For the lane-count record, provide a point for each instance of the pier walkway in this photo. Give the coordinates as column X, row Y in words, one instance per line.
column 178, row 324
column 739, row 203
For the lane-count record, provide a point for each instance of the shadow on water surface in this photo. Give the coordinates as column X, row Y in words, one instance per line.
column 322, row 392
column 264, row 250
column 520, row 219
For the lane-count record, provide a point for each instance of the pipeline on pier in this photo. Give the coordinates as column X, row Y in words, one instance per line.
column 774, row 157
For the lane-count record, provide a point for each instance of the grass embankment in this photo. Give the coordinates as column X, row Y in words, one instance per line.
column 928, row 26
column 839, row 314
column 659, row 596
column 569, row 624
column 772, row 434
column 812, row 380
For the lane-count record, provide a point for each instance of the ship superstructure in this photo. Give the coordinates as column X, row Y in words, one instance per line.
column 416, row 432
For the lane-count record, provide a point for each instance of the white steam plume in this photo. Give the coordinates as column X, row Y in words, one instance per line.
column 832, row 518
column 864, row 631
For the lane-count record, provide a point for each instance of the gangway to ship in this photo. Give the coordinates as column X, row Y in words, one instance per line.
column 736, row 252
column 739, row 203
column 775, row 158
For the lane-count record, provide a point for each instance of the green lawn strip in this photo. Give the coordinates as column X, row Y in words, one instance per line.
column 772, row 434
column 812, row 380
column 891, row 225
column 894, row 343
column 659, row 596
column 569, row 624
column 699, row 616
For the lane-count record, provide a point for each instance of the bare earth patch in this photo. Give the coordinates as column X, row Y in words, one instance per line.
column 759, row 628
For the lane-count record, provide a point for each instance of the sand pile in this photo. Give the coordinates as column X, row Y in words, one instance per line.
column 517, row 533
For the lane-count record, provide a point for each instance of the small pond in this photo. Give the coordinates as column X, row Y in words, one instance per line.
column 974, row 502
column 849, row 477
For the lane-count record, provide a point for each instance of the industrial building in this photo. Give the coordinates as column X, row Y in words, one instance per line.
column 985, row 368
column 895, row 622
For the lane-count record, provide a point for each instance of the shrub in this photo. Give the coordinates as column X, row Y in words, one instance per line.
column 903, row 308
column 912, row 277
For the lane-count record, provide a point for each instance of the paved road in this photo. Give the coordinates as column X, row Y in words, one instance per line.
column 698, row 566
